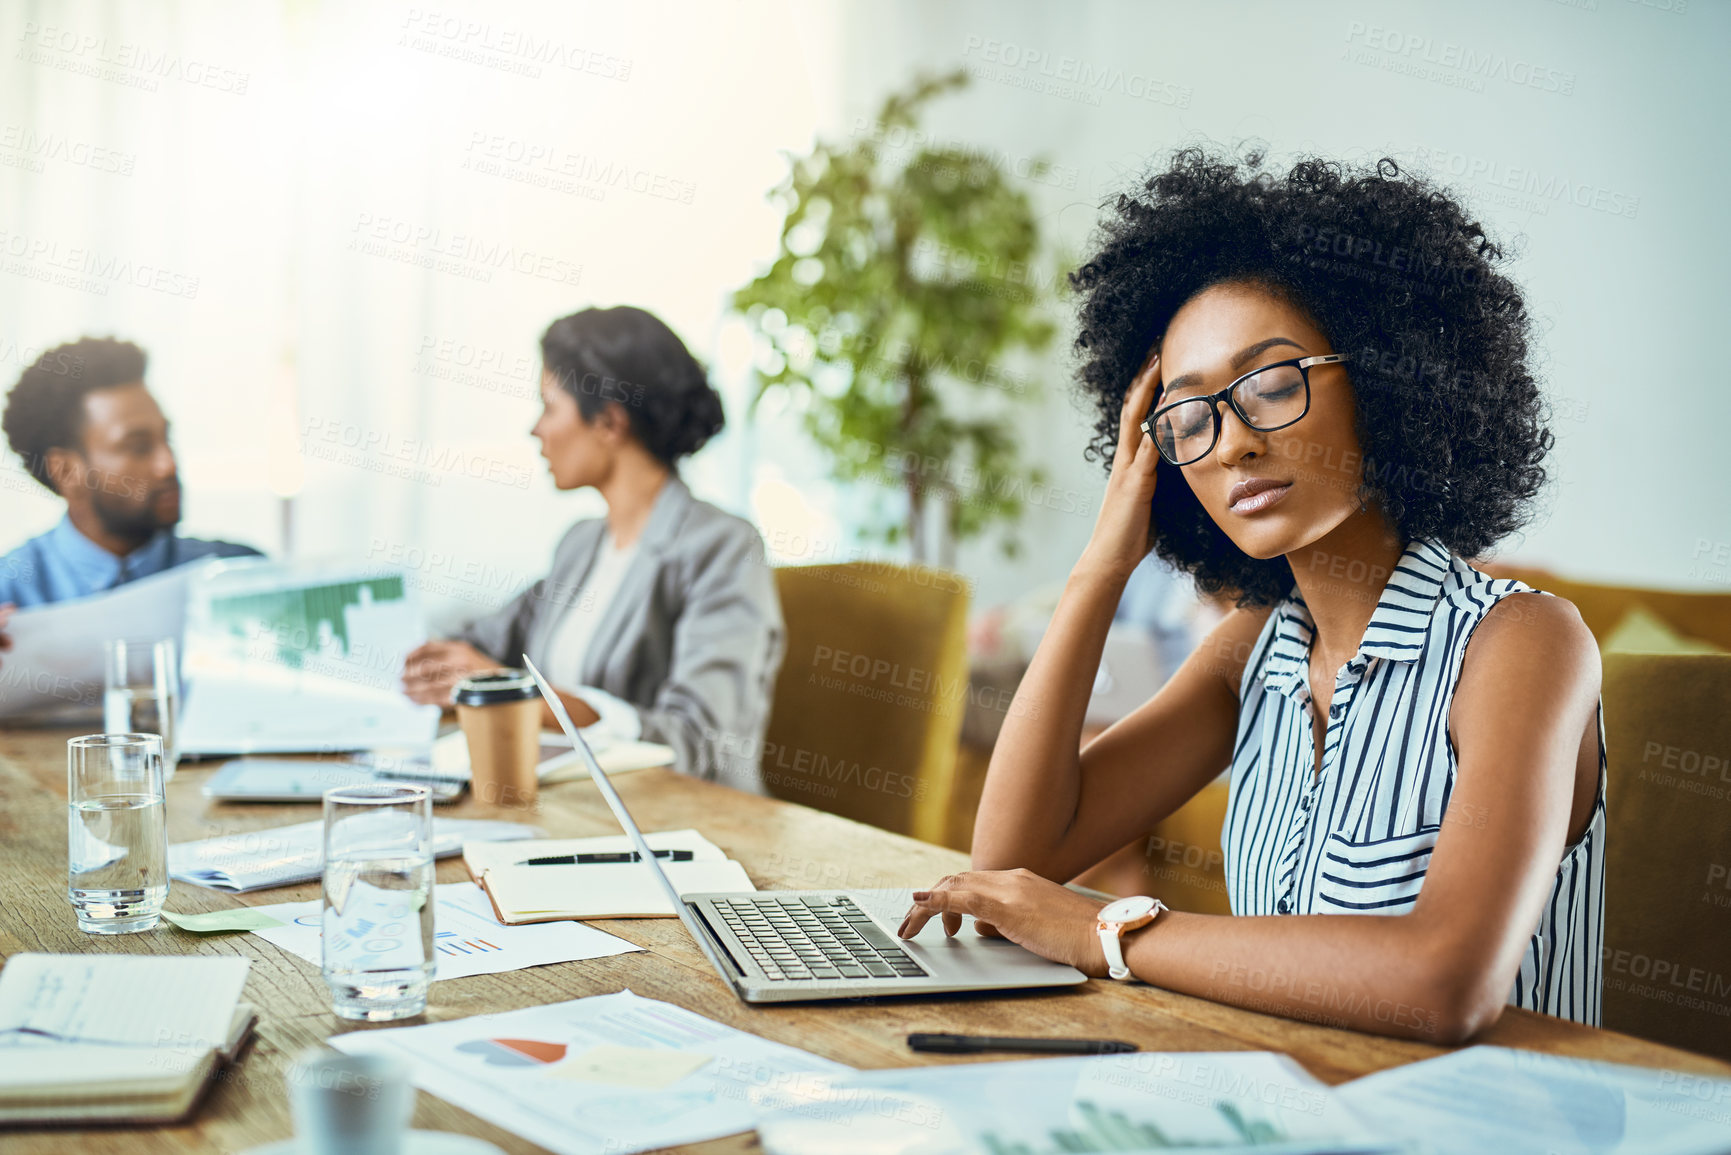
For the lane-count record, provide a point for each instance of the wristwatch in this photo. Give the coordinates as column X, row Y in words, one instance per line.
column 1117, row 917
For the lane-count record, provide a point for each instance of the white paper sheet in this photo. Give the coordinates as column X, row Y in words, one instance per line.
column 1250, row 1101
column 1510, row 1101
column 467, row 938
column 54, row 669
column 280, row 855
column 507, row 1069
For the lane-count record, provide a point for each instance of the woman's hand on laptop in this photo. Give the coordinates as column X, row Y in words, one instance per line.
column 433, row 669
column 1034, row 912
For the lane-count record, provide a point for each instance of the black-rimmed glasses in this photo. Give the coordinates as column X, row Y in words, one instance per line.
column 1265, row 399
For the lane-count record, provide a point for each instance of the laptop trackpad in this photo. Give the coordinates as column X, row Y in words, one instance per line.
column 932, row 948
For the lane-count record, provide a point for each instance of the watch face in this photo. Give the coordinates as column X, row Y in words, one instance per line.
column 1126, row 909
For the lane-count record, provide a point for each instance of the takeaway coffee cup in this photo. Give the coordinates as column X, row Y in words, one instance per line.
column 500, row 712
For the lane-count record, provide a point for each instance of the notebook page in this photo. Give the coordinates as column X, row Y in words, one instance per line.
column 624, row 889
column 179, row 1003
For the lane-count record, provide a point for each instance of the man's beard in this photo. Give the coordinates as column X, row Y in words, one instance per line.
column 132, row 520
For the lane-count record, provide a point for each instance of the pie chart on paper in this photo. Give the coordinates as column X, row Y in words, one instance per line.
column 513, row 1052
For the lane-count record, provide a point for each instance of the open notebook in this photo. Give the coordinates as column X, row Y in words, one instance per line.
column 116, row 1038
column 522, row 893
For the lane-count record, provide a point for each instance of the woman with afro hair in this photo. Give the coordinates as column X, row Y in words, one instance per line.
column 1314, row 395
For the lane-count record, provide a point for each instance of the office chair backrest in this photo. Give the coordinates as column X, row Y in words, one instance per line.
column 869, row 701
column 1698, row 615
column 1668, row 849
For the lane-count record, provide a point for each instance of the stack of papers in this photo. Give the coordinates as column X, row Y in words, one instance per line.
column 523, row 893
column 466, row 939
column 616, row 1073
column 278, row 856
column 115, row 1038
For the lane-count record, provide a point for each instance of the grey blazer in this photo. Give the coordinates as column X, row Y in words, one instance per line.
column 693, row 638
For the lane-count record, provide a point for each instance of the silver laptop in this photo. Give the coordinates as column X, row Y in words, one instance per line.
column 792, row 945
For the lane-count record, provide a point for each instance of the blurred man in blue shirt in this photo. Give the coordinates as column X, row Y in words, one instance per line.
column 87, row 429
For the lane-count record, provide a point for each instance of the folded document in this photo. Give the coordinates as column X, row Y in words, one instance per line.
column 278, row 856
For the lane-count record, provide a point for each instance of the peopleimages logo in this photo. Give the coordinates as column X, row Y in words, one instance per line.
column 1067, row 76
column 461, row 254
column 1412, row 53
column 1545, row 188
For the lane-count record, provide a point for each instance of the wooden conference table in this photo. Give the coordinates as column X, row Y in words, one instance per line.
column 781, row 845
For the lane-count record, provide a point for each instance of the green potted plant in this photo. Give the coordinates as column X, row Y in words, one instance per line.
column 907, row 280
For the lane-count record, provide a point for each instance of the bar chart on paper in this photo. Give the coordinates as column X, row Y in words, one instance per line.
column 1097, row 1128
column 1239, row 1101
column 467, row 940
column 297, row 625
column 282, row 659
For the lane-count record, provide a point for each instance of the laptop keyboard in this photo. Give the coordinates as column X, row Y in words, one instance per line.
column 815, row 938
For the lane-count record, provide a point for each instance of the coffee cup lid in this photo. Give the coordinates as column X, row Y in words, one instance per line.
column 495, row 687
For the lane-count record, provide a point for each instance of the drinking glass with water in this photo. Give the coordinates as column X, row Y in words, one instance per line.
column 378, row 900
column 142, row 692
column 116, row 832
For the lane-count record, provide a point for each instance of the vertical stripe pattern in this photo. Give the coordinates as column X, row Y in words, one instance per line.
column 1357, row 836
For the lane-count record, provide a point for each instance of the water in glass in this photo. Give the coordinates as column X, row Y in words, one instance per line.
column 116, row 832
column 378, row 901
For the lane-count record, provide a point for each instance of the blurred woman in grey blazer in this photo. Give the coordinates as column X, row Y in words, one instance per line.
column 660, row 620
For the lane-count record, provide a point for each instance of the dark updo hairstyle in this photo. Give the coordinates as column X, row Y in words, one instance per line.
column 628, row 357
column 1395, row 273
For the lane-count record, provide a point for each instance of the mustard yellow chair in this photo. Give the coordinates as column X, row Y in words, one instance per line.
column 1604, row 608
column 1668, row 849
column 869, row 701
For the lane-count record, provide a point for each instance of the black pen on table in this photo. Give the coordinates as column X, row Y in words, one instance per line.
column 975, row 1044
column 599, row 858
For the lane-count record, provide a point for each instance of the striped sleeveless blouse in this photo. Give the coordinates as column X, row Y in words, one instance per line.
column 1357, row 837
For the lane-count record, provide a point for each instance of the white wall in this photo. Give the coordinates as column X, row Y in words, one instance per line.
column 299, row 167
column 257, row 144
column 1629, row 300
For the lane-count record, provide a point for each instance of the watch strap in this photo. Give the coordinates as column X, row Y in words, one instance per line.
column 1112, row 942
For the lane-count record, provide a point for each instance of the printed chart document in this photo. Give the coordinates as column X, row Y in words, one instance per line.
column 1500, row 1099
column 288, row 658
column 610, row 1074
column 467, row 940
column 280, row 855
column 522, row 894
column 1245, row 1101
column 115, row 1037
column 53, row 672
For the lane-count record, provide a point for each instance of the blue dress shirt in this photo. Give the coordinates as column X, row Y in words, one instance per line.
column 63, row 564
